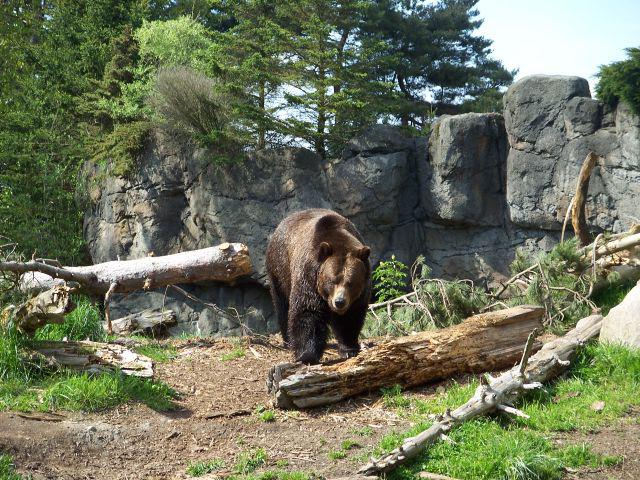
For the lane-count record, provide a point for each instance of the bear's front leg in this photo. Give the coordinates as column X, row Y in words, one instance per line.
column 308, row 336
column 346, row 328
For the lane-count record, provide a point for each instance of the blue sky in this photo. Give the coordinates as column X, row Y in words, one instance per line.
column 560, row 37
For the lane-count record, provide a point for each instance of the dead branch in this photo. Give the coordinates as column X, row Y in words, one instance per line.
column 47, row 307
column 578, row 217
column 495, row 394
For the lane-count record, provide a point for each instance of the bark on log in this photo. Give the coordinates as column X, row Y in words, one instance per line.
column 485, row 342
column 47, row 307
column 94, row 357
column 224, row 263
column 578, row 217
column 495, row 394
column 146, row 322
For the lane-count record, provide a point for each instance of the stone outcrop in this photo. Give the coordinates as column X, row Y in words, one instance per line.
column 480, row 186
column 552, row 124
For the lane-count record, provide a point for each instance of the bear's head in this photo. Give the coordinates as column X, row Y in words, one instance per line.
column 343, row 275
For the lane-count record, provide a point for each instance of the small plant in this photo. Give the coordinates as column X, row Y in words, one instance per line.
column 250, row 461
column 364, row 431
column 238, row 352
column 337, row 454
column 265, row 415
column 393, row 397
column 390, row 279
column 349, row 444
column 199, row 469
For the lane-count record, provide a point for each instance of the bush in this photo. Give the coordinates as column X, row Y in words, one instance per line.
column 193, row 104
column 390, row 279
column 621, row 81
column 119, row 149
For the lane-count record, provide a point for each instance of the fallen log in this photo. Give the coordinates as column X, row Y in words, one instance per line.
column 495, row 394
column 94, row 357
column 147, row 322
column 224, row 263
column 47, row 307
column 484, row 342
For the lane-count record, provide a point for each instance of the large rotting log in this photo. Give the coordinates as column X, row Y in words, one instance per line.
column 224, row 263
column 95, row 357
column 484, row 342
column 495, row 394
column 147, row 322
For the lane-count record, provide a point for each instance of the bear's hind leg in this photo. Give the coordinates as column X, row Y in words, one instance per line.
column 308, row 334
column 281, row 306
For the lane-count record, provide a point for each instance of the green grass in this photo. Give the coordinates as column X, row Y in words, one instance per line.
column 85, row 322
column 199, row 469
column 392, row 397
column 7, row 470
column 275, row 475
column 238, row 352
column 158, row 352
column 363, row 432
column 507, row 448
column 337, row 454
column 250, row 461
column 30, row 385
column 612, row 295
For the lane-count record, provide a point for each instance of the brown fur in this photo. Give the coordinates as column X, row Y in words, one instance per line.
column 320, row 275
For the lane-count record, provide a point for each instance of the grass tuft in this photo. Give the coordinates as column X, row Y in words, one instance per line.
column 198, row 469
column 238, row 352
column 250, row 461
column 7, row 470
column 158, row 352
column 83, row 323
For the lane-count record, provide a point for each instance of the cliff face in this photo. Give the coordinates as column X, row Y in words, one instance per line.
column 479, row 187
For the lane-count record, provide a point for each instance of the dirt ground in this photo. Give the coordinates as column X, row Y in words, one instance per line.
column 216, row 420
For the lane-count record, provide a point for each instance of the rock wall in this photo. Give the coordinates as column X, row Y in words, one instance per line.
column 479, row 187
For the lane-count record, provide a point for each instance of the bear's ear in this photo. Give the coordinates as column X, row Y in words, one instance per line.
column 324, row 251
column 363, row 253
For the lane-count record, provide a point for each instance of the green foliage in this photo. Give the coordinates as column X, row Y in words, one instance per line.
column 118, row 150
column 250, row 461
column 621, row 81
column 555, row 281
column 237, row 352
column 83, row 323
column 392, row 397
column 7, row 470
column 436, row 304
column 264, row 414
column 158, row 352
column 612, row 295
column 390, row 279
column 514, row 448
column 198, row 469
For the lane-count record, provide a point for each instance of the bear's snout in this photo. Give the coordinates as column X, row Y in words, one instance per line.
column 339, row 303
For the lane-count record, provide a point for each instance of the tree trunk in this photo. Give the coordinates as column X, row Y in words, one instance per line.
column 495, row 394
column 262, row 141
column 94, row 357
column 485, row 342
column 224, row 263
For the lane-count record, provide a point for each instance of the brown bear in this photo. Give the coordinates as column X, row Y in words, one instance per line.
column 320, row 275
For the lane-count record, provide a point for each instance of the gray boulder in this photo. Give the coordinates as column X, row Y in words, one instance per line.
column 467, row 154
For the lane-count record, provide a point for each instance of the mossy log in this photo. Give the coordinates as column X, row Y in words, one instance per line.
column 485, row 342
column 225, row 263
column 94, row 357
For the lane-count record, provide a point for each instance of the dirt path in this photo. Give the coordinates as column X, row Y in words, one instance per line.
column 135, row 442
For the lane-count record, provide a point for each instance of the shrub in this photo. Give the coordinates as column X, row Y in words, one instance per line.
column 119, row 149
column 191, row 103
column 390, row 279
column 621, row 81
